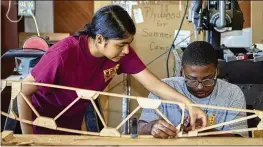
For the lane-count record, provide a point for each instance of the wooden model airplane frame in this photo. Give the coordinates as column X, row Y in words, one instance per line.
column 143, row 102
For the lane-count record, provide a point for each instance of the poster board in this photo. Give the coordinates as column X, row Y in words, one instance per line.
column 257, row 21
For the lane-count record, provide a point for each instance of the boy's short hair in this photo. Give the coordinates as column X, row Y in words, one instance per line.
column 199, row 53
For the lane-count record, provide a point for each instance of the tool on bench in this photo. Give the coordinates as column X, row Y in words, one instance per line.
column 33, row 49
column 253, row 54
column 256, row 53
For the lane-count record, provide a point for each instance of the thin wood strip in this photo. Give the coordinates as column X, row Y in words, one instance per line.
column 30, row 105
column 211, row 107
column 74, row 89
column 98, row 112
column 182, row 119
column 173, row 102
column 15, row 90
column 227, row 123
column 222, row 108
column 161, row 114
column 139, row 136
column 3, row 85
column 184, row 136
column 12, row 104
column 135, row 97
column 58, row 128
column 227, row 132
column 19, row 119
column 99, row 92
column 70, row 105
column 77, row 131
column 128, row 117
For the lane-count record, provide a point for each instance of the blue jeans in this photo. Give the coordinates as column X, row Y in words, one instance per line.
column 10, row 124
column 93, row 123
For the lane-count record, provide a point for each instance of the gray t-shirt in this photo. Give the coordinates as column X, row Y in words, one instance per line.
column 224, row 94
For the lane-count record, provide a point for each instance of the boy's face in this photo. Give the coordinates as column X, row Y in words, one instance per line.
column 115, row 49
column 194, row 75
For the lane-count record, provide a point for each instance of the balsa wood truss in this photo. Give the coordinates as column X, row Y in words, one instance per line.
column 143, row 102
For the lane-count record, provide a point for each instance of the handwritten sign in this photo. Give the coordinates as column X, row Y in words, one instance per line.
column 156, row 33
column 154, row 36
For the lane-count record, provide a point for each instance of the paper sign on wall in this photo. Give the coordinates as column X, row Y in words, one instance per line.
column 127, row 5
column 138, row 15
column 181, row 38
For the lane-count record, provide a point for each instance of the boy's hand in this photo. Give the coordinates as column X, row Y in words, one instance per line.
column 162, row 129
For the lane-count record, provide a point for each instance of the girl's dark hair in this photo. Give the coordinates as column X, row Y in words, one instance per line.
column 112, row 22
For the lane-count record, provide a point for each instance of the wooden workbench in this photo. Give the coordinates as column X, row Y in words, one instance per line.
column 126, row 140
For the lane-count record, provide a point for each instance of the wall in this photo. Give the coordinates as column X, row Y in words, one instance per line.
column 75, row 15
column 45, row 18
column 50, row 18
column 245, row 7
column 9, row 39
column 257, row 21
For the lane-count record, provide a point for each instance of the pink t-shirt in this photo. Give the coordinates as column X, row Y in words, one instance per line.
column 69, row 63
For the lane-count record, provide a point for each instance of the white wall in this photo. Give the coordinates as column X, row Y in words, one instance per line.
column 44, row 16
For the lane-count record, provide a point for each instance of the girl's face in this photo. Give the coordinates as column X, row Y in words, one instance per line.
column 115, row 49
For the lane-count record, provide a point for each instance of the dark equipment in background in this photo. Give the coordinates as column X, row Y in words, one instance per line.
column 33, row 49
column 217, row 17
column 133, row 127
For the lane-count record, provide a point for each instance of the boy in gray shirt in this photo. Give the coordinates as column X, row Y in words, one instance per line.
column 200, row 84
